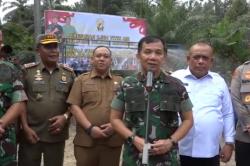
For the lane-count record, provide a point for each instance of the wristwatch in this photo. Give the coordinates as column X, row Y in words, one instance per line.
column 66, row 116
column 174, row 143
column 89, row 129
column 130, row 139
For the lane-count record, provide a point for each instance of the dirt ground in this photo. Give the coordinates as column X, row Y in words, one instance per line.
column 69, row 159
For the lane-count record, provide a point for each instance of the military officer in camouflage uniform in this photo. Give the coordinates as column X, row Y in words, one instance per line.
column 167, row 98
column 45, row 123
column 12, row 102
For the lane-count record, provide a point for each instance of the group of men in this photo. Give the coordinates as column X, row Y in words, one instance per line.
column 181, row 116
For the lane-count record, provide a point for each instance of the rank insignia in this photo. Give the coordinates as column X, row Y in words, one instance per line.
column 64, row 78
column 247, row 75
column 247, row 99
column 38, row 76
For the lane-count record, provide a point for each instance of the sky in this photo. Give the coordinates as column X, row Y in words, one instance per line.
column 69, row 2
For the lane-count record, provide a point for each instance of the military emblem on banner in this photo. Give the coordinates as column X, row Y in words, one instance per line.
column 100, row 24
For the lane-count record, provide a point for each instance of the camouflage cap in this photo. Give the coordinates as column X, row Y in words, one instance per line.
column 46, row 39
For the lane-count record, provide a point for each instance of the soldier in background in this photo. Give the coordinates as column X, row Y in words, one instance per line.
column 95, row 143
column 167, row 98
column 45, row 123
column 12, row 103
column 6, row 52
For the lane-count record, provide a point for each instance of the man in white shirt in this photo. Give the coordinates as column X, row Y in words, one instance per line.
column 212, row 111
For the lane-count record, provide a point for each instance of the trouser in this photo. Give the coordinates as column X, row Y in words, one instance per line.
column 8, row 147
column 242, row 151
column 30, row 154
column 191, row 161
column 99, row 155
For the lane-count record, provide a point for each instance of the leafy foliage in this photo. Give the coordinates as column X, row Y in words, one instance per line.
column 17, row 36
column 224, row 23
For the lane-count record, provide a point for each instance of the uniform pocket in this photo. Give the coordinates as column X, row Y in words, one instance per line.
column 39, row 87
column 170, row 103
column 169, row 106
column 134, row 100
column 90, row 94
column 62, row 87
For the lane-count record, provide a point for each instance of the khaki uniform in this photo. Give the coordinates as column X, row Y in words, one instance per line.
column 47, row 93
column 240, row 90
column 94, row 95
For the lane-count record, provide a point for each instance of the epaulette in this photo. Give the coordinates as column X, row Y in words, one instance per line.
column 117, row 74
column 84, row 76
column 247, row 62
column 86, row 73
column 29, row 65
column 67, row 67
column 167, row 72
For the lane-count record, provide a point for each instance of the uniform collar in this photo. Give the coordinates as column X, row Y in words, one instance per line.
column 142, row 77
column 94, row 74
column 42, row 67
column 189, row 74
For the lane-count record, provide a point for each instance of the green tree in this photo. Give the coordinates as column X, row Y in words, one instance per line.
column 17, row 36
column 19, row 13
column 99, row 6
column 52, row 4
column 238, row 8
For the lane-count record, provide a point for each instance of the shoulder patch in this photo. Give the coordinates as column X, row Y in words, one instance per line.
column 116, row 74
column 247, row 62
column 29, row 65
column 86, row 73
column 67, row 67
column 117, row 78
column 167, row 72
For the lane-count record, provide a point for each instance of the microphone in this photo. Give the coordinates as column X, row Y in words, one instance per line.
column 149, row 83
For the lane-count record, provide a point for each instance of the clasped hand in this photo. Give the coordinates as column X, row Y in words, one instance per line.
column 158, row 147
column 103, row 131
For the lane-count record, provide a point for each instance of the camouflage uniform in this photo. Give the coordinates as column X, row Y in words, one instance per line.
column 10, row 92
column 167, row 98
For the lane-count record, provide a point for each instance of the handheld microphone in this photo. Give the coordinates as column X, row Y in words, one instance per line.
column 149, row 83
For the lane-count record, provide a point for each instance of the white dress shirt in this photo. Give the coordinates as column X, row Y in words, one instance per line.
column 212, row 112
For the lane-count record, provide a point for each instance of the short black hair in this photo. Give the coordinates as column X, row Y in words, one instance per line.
column 7, row 49
column 151, row 39
column 203, row 43
column 104, row 47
